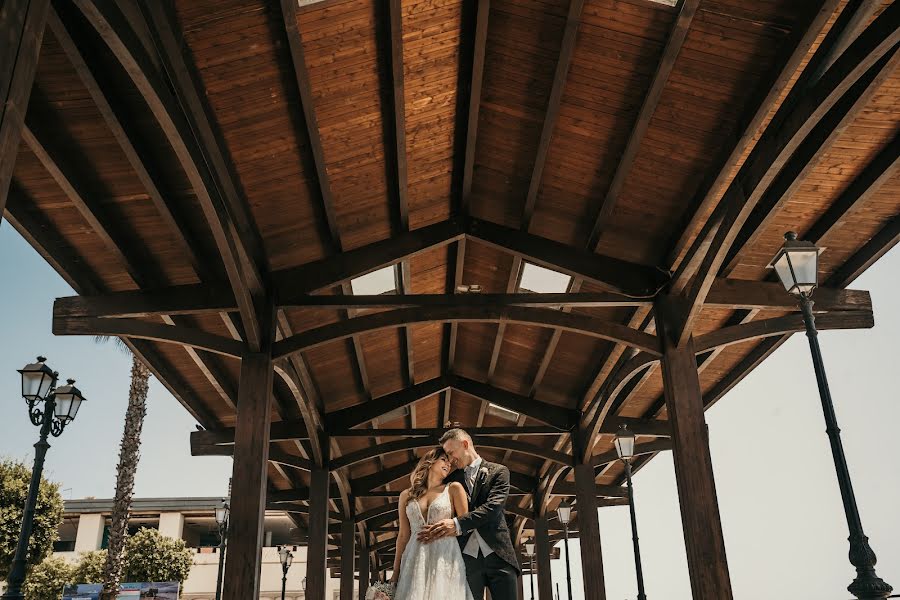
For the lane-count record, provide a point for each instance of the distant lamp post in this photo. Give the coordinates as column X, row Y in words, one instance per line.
column 564, row 513
column 303, row 583
column 222, row 514
column 625, row 450
column 529, row 552
column 797, row 267
column 60, row 406
column 286, row 558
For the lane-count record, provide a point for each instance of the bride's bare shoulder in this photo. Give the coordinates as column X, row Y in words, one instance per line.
column 456, row 487
column 403, row 496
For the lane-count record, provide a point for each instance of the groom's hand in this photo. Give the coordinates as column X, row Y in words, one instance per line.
column 435, row 531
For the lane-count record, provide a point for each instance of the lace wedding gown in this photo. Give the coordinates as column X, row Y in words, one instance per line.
column 432, row 571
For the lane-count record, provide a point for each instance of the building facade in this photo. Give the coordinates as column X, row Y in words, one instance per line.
column 85, row 528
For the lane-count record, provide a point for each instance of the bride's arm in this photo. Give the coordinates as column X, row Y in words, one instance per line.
column 458, row 499
column 403, row 536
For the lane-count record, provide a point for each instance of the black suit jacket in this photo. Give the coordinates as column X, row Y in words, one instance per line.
column 487, row 500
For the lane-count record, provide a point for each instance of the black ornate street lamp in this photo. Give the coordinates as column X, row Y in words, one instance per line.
column 222, row 513
column 60, row 405
column 564, row 514
column 625, row 450
column 529, row 552
column 286, row 558
column 797, row 267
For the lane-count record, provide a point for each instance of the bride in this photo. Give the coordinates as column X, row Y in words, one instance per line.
column 430, row 571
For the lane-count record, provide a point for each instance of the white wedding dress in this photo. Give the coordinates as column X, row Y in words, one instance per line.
column 432, row 571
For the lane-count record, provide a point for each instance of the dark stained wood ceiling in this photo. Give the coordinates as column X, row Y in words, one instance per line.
column 611, row 127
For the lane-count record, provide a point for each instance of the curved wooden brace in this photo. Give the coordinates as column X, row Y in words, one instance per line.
column 426, row 441
column 375, row 512
column 754, row 330
column 277, row 455
column 309, row 420
column 149, row 331
column 578, row 323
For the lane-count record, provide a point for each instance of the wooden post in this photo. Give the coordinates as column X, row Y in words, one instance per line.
column 589, row 533
column 520, row 588
column 363, row 572
column 703, row 538
column 317, row 558
column 542, row 549
column 248, row 498
column 348, row 538
column 22, row 24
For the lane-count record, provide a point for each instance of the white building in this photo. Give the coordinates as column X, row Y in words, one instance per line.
column 85, row 528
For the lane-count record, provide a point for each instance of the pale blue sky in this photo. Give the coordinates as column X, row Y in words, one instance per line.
column 781, row 510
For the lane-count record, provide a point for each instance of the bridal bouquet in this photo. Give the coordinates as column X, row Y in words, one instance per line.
column 380, row 590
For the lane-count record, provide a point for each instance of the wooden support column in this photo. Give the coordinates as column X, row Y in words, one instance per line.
column 542, row 549
column 589, row 533
column 316, row 556
column 703, row 538
column 520, row 588
column 364, row 576
column 22, row 25
column 248, row 498
column 348, row 552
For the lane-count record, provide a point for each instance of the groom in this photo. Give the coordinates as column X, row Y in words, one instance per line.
column 483, row 535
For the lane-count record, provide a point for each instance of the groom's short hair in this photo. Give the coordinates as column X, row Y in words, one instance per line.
column 455, row 434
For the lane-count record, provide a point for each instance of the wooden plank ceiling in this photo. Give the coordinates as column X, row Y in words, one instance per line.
column 609, row 126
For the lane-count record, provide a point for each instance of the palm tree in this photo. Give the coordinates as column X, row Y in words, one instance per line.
column 129, row 454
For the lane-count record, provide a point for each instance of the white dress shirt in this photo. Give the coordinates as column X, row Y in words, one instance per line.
column 476, row 542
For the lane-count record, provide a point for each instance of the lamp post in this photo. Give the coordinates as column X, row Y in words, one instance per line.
column 625, row 450
column 797, row 266
column 286, row 558
column 60, row 405
column 564, row 513
column 529, row 552
column 304, row 586
column 222, row 513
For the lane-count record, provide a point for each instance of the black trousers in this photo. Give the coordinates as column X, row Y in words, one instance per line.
column 493, row 573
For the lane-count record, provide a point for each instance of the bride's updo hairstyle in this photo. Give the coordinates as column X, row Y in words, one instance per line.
column 419, row 477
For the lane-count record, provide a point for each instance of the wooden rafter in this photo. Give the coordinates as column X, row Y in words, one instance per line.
column 581, row 323
column 686, row 11
column 111, row 26
column 776, row 147
column 474, row 99
column 551, row 116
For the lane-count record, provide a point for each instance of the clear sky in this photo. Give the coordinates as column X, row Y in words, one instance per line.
column 785, row 531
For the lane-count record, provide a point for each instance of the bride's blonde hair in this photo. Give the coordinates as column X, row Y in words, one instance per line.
column 419, row 477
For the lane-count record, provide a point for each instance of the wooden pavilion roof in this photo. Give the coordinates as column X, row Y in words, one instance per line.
column 186, row 161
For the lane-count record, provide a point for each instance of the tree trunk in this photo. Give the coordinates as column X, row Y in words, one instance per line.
column 129, row 453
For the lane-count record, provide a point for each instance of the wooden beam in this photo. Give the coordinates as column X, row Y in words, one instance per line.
column 866, row 256
column 551, row 115
column 525, row 430
column 348, row 555
column 703, row 540
column 376, row 480
column 352, row 416
column 549, row 414
column 640, row 427
column 589, row 533
column 96, row 81
column 21, row 33
column 341, row 268
column 117, row 34
column 686, row 11
column 776, row 148
column 375, row 512
column 867, row 183
column 613, row 274
column 543, row 550
column 194, row 338
column 600, row 460
column 809, row 154
column 569, row 488
column 454, row 280
column 248, row 496
column 767, row 96
column 480, row 42
column 316, row 557
column 195, row 299
column 279, row 431
column 579, row 323
column 777, row 326
column 739, row 294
